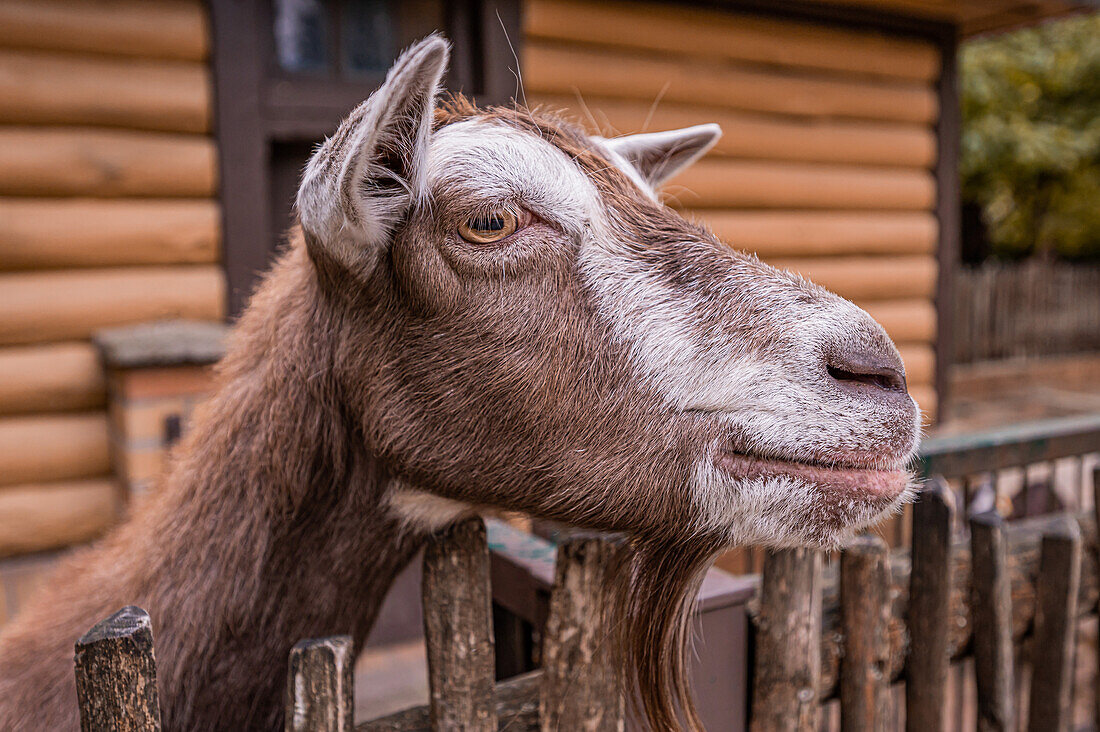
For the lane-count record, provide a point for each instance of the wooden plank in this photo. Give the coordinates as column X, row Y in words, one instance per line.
column 50, row 233
column 920, row 363
column 581, row 688
column 48, row 306
column 458, row 628
column 320, row 687
column 39, row 517
column 822, row 233
column 554, row 68
column 52, row 378
column 173, row 29
column 928, row 401
column 788, row 642
column 757, row 136
column 723, row 35
column 48, row 88
column 116, row 674
column 991, row 606
column 716, row 183
column 865, row 613
column 868, row 278
column 44, row 448
column 105, row 163
column 929, row 603
column 905, row 320
column 1050, row 708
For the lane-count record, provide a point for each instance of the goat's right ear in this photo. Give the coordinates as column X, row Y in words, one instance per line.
column 359, row 184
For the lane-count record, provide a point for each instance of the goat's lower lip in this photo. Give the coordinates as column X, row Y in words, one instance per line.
column 844, row 482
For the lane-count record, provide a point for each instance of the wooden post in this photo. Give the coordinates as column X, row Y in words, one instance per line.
column 320, row 686
column 991, row 610
column 1096, row 515
column 788, row 643
column 865, row 618
column 1050, row 708
column 116, row 674
column 458, row 628
column 580, row 686
column 929, row 602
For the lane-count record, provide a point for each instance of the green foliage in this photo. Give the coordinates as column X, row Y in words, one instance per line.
column 1031, row 137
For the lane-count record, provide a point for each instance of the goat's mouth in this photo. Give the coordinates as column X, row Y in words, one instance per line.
column 841, row 483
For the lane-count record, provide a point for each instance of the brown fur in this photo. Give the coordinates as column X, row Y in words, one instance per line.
column 479, row 375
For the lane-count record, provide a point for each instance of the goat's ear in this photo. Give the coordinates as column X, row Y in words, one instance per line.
column 657, row 156
column 359, row 184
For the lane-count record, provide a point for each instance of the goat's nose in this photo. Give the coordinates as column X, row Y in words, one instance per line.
column 869, row 369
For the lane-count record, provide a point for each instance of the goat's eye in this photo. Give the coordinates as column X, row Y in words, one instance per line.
column 490, row 227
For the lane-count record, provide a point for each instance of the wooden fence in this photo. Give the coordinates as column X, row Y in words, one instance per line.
column 1032, row 308
column 875, row 641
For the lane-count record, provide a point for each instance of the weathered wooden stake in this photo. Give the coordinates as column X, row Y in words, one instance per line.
column 320, row 686
column 991, row 606
column 865, row 618
column 580, row 686
column 1096, row 515
column 788, row 643
column 458, row 628
column 116, row 674
column 1050, row 707
column 929, row 603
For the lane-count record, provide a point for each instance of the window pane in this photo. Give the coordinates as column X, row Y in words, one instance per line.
column 367, row 37
column 301, row 35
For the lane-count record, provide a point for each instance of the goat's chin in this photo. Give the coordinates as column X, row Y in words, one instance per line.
column 781, row 504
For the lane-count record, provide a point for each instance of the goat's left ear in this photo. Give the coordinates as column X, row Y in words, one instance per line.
column 359, row 184
column 657, row 156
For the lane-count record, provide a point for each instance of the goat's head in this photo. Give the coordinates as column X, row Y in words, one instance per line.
column 542, row 334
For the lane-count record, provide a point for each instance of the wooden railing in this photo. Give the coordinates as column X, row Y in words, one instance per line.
column 850, row 632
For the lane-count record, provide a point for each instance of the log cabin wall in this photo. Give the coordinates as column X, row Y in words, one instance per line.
column 108, row 216
column 827, row 163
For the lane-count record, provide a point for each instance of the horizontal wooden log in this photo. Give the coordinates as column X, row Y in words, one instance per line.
column 756, row 136
column 46, row 448
column 48, row 234
column 723, row 35
column 174, row 29
column 52, row 378
column 920, row 363
column 51, row 306
column 715, row 183
column 868, row 278
column 926, row 398
column 89, row 162
column 821, row 233
column 905, row 320
column 49, row 516
column 47, row 88
column 562, row 69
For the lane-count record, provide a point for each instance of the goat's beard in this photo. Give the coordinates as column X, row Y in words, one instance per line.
column 652, row 604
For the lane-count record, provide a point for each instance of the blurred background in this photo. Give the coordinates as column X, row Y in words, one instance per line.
column 936, row 162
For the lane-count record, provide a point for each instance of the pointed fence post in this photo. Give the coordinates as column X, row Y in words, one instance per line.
column 929, row 604
column 1050, row 707
column 991, row 609
column 116, row 674
column 580, row 687
column 865, row 621
column 320, row 686
column 788, row 643
column 458, row 628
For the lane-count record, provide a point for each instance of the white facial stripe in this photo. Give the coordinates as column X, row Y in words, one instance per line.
column 489, row 161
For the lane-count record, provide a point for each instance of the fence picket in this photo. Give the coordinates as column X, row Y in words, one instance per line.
column 458, row 628
column 116, row 674
column 991, row 606
column 788, row 643
column 1096, row 516
column 320, row 687
column 865, row 618
column 580, row 686
column 929, row 605
column 1055, row 630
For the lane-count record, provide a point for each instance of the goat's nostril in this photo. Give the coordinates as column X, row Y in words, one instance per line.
column 863, row 370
